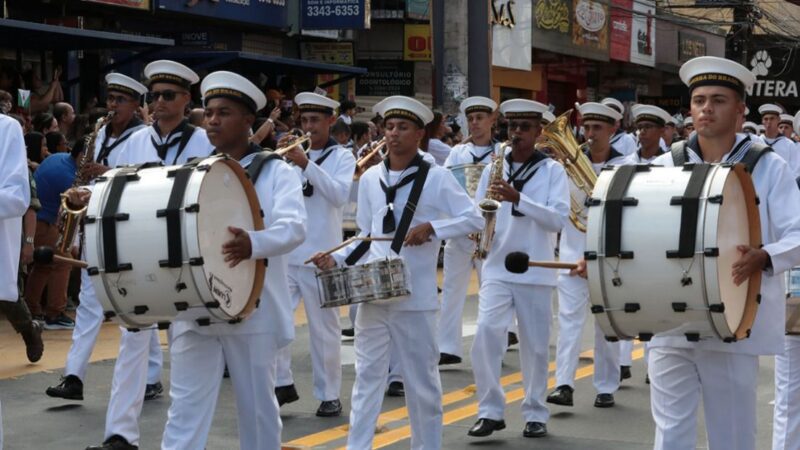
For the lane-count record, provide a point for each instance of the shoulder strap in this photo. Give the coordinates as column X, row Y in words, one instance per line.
column 678, row 150
column 188, row 131
column 754, row 154
column 261, row 158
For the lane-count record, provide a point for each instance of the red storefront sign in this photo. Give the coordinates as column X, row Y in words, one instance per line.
column 621, row 26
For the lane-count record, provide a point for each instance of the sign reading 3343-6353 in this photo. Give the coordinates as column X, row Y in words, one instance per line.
column 335, row 14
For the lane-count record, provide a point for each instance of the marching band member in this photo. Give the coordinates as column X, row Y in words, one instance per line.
column 725, row 374
column 250, row 348
column 534, row 193
column 783, row 146
column 650, row 121
column 751, row 129
column 418, row 203
column 327, row 171
column 785, row 126
column 573, row 293
column 133, row 381
column 458, row 252
column 622, row 141
column 123, row 99
column 669, row 134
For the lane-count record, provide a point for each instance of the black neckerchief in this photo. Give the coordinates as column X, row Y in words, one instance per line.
column 778, row 138
column 611, row 155
column 106, row 149
column 515, row 179
column 172, row 138
column 389, row 225
column 477, row 159
column 694, row 144
column 330, row 146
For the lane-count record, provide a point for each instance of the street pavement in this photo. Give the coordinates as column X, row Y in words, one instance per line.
column 31, row 420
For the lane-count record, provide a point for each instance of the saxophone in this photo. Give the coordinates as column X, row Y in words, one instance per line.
column 490, row 205
column 69, row 218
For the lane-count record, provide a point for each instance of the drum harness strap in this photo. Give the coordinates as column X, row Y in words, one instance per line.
column 408, row 212
column 516, row 179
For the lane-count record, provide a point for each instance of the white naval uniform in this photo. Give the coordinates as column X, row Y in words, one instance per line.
column 786, row 149
column 573, row 304
column 786, row 417
column 250, row 348
column 331, row 181
column 624, row 143
column 140, row 147
column 725, row 374
column 15, row 197
column 406, row 327
column 107, row 149
column 140, row 358
column 458, row 260
column 544, row 201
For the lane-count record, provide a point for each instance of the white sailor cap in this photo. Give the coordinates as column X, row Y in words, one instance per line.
column 165, row 71
column 233, row 86
column 787, row 118
column 796, row 123
column 650, row 113
column 770, row 108
column 125, row 84
column 688, row 121
column 750, row 125
column 761, row 128
column 478, row 104
column 548, row 118
column 614, row 103
column 519, row 108
column 714, row 71
column 598, row 111
column 311, row 102
column 402, row 107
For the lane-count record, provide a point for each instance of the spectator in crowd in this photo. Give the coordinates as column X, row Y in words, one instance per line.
column 54, row 176
column 45, row 123
column 341, row 133
column 347, row 109
column 264, row 134
column 65, row 116
column 432, row 143
column 360, row 135
column 56, row 142
column 377, row 122
column 43, row 96
column 36, row 146
column 6, row 102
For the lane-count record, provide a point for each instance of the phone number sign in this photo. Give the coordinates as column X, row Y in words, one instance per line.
column 335, row 14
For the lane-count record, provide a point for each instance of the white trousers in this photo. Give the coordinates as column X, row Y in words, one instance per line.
column 786, row 420
column 573, row 306
column 138, row 364
column 325, row 337
column 197, row 364
column 414, row 333
column 680, row 377
column 458, row 265
column 498, row 302
column 625, row 353
column 88, row 319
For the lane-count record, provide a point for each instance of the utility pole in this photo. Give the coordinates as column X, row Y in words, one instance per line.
column 741, row 33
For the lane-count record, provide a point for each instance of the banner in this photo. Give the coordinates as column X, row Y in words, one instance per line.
column 385, row 78
column 572, row 27
column 690, row 46
column 135, row 4
column 335, row 14
column 621, row 30
column 643, row 47
column 418, row 9
column 418, row 44
column 511, row 34
column 590, row 24
column 271, row 13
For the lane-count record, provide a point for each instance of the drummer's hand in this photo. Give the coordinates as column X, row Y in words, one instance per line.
column 579, row 271
column 419, row 235
column 78, row 197
column 504, row 191
column 297, row 156
column 752, row 261
column 323, row 261
column 237, row 249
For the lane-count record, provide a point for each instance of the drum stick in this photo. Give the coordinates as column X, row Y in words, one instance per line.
column 45, row 255
column 518, row 262
column 350, row 241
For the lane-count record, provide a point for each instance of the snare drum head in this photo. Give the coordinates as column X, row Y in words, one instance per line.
column 229, row 199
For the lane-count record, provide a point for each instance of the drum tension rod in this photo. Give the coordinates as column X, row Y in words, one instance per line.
column 627, row 308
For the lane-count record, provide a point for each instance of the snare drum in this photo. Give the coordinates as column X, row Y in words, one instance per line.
column 154, row 237
column 793, row 301
column 468, row 176
column 377, row 281
column 660, row 245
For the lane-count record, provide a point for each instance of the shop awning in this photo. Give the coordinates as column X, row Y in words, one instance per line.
column 40, row 36
column 264, row 63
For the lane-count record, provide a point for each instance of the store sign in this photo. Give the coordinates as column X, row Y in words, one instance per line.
column 552, row 15
column 271, row 13
column 690, row 46
column 135, row 4
column 643, row 47
column 335, row 14
column 328, row 52
column 512, row 34
column 621, row 24
column 385, row 78
column 776, row 70
column 578, row 28
column 665, row 103
column 418, row 9
column 418, row 44
column 591, row 27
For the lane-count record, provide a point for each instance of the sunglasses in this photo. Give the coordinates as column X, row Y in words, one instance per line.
column 521, row 125
column 118, row 99
column 167, row 95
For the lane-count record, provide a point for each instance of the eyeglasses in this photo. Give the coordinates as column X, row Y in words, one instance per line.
column 118, row 99
column 521, row 125
column 167, row 95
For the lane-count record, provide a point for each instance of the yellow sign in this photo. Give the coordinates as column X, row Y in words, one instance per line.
column 418, row 44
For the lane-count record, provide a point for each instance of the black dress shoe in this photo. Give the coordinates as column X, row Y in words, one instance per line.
column 286, row 394
column 34, row 347
column 154, row 390
column 70, row 388
column 349, row 332
column 330, row 408
column 396, row 389
column 624, row 372
column 447, row 358
column 561, row 396
column 534, row 429
column 226, row 373
column 485, row 427
column 647, row 378
column 115, row 442
column 604, row 401
column 512, row 338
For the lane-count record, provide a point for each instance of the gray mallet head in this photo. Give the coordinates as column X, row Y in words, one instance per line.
column 517, row 262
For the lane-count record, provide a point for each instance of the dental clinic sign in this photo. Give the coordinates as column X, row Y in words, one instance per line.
column 776, row 72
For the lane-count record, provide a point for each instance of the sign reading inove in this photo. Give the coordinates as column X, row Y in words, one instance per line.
column 776, row 71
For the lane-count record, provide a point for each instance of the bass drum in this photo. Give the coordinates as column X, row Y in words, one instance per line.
column 154, row 236
column 660, row 245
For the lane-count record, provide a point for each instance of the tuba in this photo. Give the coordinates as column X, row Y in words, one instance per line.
column 558, row 138
column 490, row 205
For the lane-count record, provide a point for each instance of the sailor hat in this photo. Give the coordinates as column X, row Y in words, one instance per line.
column 233, row 86
column 750, row 126
column 519, row 108
column 650, row 113
column 787, row 118
column 600, row 112
column 165, row 71
column 125, row 84
column 770, row 108
column 761, row 128
column 714, row 71
column 614, row 103
column 402, row 107
column 478, row 104
column 311, row 102
column 688, row 121
column 548, row 118
column 796, row 123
